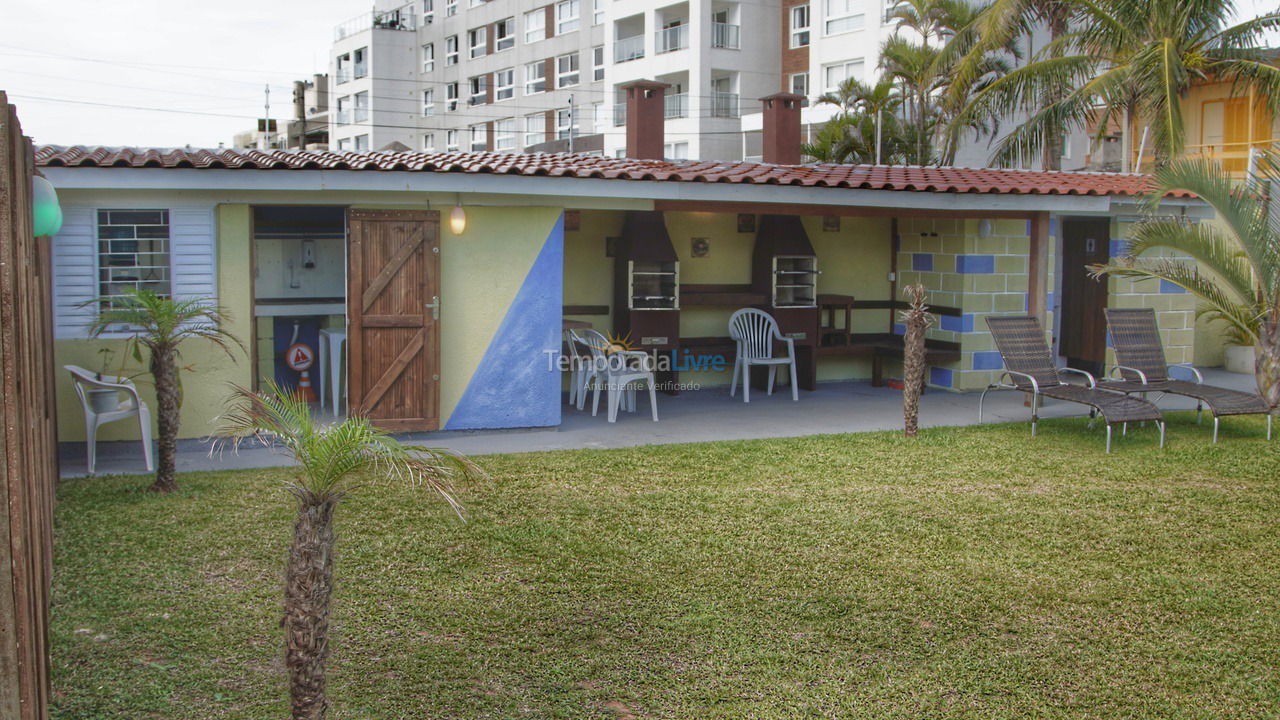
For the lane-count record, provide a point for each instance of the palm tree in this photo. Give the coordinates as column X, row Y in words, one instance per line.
column 1130, row 62
column 1236, row 268
column 916, row 318
column 332, row 461
column 161, row 324
column 866, row 130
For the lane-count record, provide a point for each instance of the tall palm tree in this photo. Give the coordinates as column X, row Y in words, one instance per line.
column 331, row 462
column 162, row 324
column 916, row 318
column 1236, row 268
column 866, row 130
column 1130, row 62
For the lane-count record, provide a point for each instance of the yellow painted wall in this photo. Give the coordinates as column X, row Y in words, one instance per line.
column 588, row 272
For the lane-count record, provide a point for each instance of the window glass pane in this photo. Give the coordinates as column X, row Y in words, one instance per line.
column 133, row 253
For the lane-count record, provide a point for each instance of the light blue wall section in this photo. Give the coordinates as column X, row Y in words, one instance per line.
column 517, row 384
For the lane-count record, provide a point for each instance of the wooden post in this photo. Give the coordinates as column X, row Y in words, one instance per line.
column 1037, row 266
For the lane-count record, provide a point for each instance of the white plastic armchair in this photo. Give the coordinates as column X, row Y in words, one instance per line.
column 108, row 399
column 754, row 331
column 618, row 373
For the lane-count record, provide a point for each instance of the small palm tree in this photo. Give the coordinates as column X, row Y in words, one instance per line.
column 917, row 319
column 332, row 461
column 1236, row 268
column 161, row 324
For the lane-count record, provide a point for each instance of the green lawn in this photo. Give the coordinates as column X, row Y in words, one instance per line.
column 972, row 573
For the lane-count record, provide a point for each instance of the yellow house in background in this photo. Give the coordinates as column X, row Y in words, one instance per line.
column 1226, row 126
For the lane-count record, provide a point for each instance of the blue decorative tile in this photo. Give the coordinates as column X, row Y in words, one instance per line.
column 1053, row 227
column 1029, row 228
column 940, row 376
column 987, row 360
column 899, row 329
column 960, row 324
column 1119, row 248
column 1048, row 301
column 975, row 264
column 922, row 262
column 1169, row 288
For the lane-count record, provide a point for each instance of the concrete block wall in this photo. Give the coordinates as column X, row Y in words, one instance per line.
column 1175, row 307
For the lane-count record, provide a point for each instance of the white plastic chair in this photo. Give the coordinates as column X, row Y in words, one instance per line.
column 579, row 366
column 113, row 408
column 618, row 372
column 754, row 332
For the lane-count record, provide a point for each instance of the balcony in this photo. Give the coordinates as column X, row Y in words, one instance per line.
column 725, row 105
column 675, row 106
column 401, row 18
column 343, row 75
column 361, row 70
column 342, row 117
column 359, row 115
column 672, row 39
column 724, row 35
column 630, row 48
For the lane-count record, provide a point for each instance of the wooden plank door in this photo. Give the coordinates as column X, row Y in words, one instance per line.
column 393, row 328
column 1085, row 241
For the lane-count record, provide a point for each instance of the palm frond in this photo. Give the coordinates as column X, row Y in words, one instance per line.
column 1187, row 276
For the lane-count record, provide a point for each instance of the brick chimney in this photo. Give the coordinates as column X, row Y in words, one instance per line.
column 645, row 118
column 782, row 128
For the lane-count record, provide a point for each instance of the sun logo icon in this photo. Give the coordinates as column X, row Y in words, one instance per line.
column 614, row 343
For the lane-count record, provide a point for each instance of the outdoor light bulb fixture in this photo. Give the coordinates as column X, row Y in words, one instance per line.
column 984, row 228
column 46, row 213
column 458, row 218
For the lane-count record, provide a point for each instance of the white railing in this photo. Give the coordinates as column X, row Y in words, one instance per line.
column 342, row 76
column 675, row 106
column 360, row 114
column 724, row 35
column 672, row 39
column 342, row 117
column 619, row 114
column 630, row 48
column 361, row 70
column 401, row 18
column 725, row 105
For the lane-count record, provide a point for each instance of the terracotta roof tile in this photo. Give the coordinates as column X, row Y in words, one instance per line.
column 869, row 177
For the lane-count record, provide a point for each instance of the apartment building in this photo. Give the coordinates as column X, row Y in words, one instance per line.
column 443, row 75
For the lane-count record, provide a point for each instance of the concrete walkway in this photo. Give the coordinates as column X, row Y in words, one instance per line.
column 700, row 416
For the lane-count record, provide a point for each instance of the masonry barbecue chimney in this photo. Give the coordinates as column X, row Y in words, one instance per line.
column 645, row 119
column 782, row 128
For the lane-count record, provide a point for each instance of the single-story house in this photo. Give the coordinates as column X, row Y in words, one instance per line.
column 456, row 325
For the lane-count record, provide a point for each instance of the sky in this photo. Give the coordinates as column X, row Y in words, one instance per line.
column 188, row 73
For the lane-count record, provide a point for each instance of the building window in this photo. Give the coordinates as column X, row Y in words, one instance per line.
column 676, row 150
column 835, row 74
column 504, row 34
column 428, row 57
column 800, row 83
column 598, row 120
column 342, row 70
column 476, row 87
column 344, row 110
column 450, row 8
column 566, row 123
column 535, row 129
column 800, row 26
column 361, row 112
column 479, row 138
column 567, row 70
column 428, row 102
column 451, row 140
column 504, row 134
column 504, row 84
column 360, row 63
column 429, row 142
column 566, row 16
column 535, row 78
column 451, row 96
column 133, row 253
column 535, row 25
column 597, row 63
column 477, row 42
column 344, row 144
column 597, row 12
column 843, row 16
column 362, row 143
column 428, row 11
column 451, row 50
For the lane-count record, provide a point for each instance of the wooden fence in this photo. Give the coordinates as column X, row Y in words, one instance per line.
column 28, row 450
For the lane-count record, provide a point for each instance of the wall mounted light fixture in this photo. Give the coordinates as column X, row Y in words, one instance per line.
column 458, row 218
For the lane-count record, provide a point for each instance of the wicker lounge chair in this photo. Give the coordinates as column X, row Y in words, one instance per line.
column 1029, row 368
column 1141, row 368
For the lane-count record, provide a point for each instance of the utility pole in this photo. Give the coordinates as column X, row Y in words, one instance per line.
column 264, row 138
column 572, row 117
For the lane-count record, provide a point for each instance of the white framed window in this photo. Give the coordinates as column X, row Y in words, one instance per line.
column 598, row 119
column 344, row 110
column 567, row 70
column 361, row 111
column 800, row 26
column 451, row 50
column 360, row 63
column 843, row 16
column 450, row 8
column 478, row 42
column 535, row 78
column 362, row 143
column 504, row 134
column 676, row 150
column 429, row 57
column 799, row 83
column 504, row 84
column 535, row 25
column 476, row 87
column 504, row 34
column 479, row 137
column 342, row 68
column 567, row 16
column 597, row 12
column 535, row 128
column 566, row 123
column 451, row 140
column 344, row 144
column 428, row 11
column 133, row 253
column 451, row 97
column 428, row 102
column 836, row 73
column 429, row 142
column 597, row 63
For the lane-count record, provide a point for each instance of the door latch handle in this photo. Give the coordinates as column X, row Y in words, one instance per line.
column 434, row 307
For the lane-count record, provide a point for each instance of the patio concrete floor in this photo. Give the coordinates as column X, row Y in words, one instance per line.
column 698, row 416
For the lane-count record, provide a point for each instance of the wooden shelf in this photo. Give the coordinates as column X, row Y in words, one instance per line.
column 720, row 295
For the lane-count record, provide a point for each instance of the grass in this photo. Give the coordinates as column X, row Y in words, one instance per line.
column 974, row 572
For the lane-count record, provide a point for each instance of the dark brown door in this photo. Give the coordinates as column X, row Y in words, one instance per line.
column 393, row 301
column 1085, row 241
